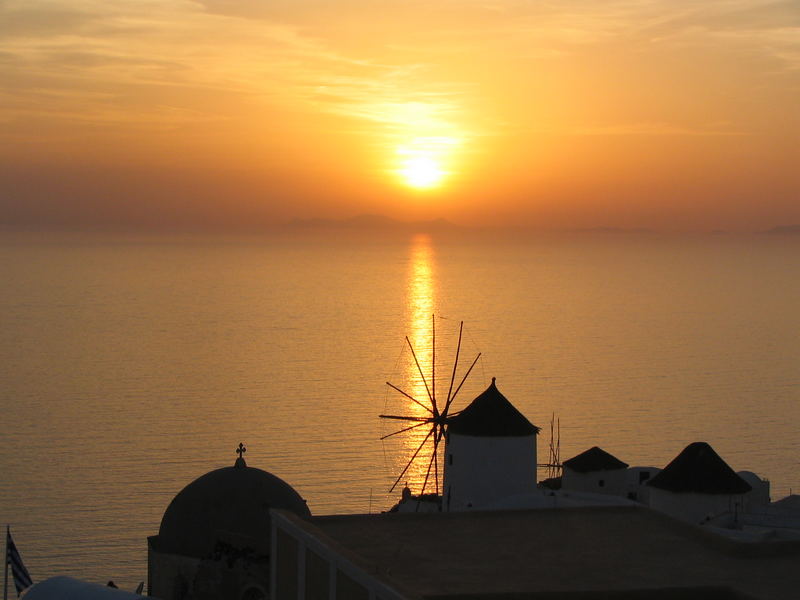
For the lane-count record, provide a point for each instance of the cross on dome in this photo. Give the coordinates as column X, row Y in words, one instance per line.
column 240, row 460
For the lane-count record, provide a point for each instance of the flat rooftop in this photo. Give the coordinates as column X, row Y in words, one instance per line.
column 565, row 552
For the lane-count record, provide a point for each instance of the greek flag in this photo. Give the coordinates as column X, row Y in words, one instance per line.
column 22, row 578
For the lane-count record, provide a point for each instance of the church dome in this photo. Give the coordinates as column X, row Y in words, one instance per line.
column 229, row 505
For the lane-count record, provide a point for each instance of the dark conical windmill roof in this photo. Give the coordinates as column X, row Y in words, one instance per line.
column 491, row 415
column 594, row 459
column 701, row 470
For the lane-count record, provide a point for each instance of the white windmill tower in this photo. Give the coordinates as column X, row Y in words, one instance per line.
column 490, row 453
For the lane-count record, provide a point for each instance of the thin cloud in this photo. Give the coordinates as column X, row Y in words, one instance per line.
column 656, row 129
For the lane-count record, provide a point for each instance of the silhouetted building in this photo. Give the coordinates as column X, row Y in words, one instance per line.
column 595, row 471
column 214, row 539
column 697, row 486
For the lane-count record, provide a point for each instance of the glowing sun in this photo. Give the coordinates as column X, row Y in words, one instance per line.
column 421, row 163
column 421, row 171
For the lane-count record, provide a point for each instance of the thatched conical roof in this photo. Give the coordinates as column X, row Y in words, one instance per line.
column 491, row 415
column 594, row 459
column 700, row 470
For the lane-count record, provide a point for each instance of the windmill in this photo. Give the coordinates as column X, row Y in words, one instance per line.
column 438, row 412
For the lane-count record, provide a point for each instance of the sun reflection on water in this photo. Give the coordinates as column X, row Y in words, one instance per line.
column 420, row 307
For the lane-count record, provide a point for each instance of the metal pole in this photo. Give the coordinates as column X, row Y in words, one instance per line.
column 5, row 560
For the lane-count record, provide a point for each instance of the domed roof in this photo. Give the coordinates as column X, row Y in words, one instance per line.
column 228, row 504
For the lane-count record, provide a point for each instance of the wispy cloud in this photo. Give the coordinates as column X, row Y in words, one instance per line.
column 659, row 129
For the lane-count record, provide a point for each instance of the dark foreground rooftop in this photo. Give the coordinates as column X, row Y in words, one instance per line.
column 617, row 553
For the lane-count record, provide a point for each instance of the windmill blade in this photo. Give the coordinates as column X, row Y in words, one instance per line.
column 455, row 366
column 433, row 364
column 410, row 461
column 453, row 397
column 403, row 430
column 421, row 374
column 428, row 472
column 405, row 418
column 409, row 396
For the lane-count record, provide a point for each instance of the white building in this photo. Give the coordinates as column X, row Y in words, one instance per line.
column 490, row 453
column 757, row 499
column 776, row 520
column 698, row 486
column 636, row 479
column 595, row 471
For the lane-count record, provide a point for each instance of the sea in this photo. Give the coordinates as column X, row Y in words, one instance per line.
column 132, row 364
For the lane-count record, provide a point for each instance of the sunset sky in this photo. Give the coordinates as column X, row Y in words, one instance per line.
column 669, row 114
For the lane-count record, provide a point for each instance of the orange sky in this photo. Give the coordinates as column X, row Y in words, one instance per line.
column 669, row 114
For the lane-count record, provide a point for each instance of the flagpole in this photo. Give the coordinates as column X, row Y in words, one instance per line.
column 5, row 560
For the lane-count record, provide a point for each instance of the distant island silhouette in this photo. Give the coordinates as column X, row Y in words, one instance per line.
column 784, row 229
column 383, row 223
column 369, row 222
column 373, row 222
column 607, row 229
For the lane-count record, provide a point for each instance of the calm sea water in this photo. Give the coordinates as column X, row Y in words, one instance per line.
column 130, row 366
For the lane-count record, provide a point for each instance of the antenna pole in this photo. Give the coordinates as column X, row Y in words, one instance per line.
column 551, row 468
column 5, row 561
column 558, row 444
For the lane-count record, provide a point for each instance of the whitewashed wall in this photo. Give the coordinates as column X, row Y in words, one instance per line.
column 479, row 471
column 597, row 482
column 692, row 507
column 636, row 479
column 758, row 498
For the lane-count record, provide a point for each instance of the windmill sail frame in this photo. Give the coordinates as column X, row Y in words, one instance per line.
column 437, row 419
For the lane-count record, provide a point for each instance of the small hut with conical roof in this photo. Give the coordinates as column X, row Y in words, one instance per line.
column 595, row 471
column 697, row 486
column 490, row 453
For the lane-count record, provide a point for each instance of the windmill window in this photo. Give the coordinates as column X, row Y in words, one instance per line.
column 601, row 482
column 449, row 459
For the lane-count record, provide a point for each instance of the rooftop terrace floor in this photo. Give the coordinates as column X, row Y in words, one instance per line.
column 480, row 554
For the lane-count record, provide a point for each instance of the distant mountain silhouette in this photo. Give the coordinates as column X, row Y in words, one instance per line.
column 792, row 229
column 374, row 223
column 615, row 230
